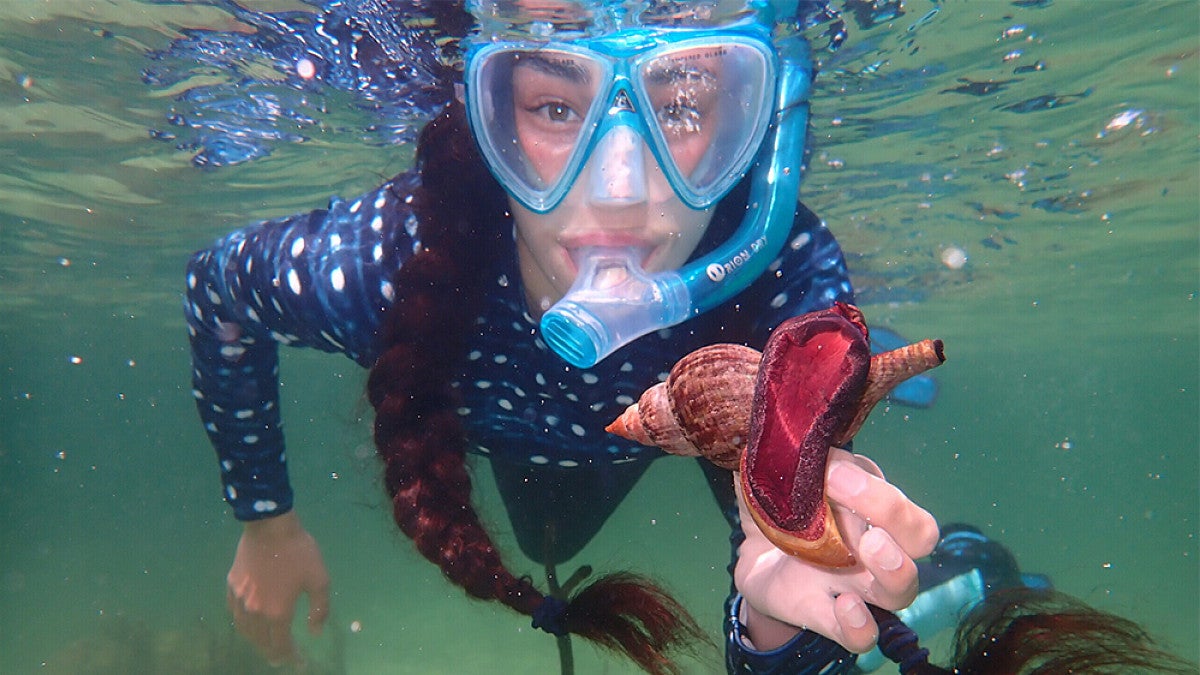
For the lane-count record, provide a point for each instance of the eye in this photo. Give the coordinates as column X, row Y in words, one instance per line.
column 680, row 116
column 556, row 111
column 684, row 97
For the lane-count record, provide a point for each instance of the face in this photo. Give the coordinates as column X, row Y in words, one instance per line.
column 621, row 197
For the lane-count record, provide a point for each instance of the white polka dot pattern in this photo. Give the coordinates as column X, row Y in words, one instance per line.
column 321, row 280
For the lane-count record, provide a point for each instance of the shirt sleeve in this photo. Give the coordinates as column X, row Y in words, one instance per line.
column 318, row 280
column 805, row 654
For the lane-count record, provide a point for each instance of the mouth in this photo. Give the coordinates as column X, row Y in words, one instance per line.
column 577, row 250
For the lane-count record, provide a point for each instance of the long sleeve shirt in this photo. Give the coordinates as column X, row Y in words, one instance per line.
column 323, row 280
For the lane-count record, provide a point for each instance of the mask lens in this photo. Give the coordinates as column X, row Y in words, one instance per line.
column 710, row 107
column 530, row 109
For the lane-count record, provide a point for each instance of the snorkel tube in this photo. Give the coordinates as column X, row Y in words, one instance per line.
column 614, row 302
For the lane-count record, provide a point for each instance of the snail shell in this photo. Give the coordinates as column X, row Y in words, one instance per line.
column 705, row 407
column 702, row 410
column 887, row 371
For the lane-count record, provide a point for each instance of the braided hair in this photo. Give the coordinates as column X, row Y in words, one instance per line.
column 422, row 442
column 1031, row 631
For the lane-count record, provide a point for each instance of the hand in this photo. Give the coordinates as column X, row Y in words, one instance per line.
column 884, row 530
column 276, row 561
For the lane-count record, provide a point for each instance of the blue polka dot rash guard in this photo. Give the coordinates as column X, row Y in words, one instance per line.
column 323, row 280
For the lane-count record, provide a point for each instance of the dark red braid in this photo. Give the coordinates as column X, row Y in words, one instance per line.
column 463, row 216
column 1044, row 632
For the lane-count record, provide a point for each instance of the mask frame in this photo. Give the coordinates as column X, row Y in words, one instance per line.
column 624, row 98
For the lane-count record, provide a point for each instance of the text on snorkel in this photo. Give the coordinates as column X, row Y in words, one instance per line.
column 717, row 272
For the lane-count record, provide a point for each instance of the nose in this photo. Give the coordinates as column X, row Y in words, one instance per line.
column 618, row 172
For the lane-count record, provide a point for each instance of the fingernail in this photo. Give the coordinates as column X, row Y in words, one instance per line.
column 857, row 616
column 886, row 554
column 844, row 482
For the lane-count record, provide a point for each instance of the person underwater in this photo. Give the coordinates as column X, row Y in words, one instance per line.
column 606, row 187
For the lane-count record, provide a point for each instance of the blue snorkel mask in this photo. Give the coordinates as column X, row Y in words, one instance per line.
column 731, row 91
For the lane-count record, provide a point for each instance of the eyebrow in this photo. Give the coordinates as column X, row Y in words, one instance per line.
column 566, row 68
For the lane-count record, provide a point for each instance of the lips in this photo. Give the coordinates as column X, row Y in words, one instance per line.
column 576, row 246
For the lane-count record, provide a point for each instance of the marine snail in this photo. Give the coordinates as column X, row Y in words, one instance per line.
column 772, row 417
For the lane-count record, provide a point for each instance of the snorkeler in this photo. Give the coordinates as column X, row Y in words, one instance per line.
column 606, row 189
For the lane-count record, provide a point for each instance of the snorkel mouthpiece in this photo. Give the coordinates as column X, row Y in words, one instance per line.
column 614, row 302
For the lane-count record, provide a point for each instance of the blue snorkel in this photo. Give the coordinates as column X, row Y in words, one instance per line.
column 593, row 320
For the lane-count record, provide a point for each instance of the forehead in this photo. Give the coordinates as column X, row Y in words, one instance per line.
column 558, row 64
column 574, row 67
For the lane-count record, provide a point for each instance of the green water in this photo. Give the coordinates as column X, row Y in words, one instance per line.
column 1067, row 424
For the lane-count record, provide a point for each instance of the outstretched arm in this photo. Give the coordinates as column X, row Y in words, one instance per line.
column 321, row 280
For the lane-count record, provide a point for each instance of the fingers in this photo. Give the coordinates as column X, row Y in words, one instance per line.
column 862, row 461
column 891, row 531
column 894, row 574
column 271, row 635
column 884, row 529
column 858, row 629
column 881, row 504
column 844, row 618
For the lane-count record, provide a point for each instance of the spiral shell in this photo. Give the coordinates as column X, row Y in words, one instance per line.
column 887, row 371
column 817, row 387
column 701, row 410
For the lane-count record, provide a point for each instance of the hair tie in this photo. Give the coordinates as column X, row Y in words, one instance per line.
column 549, row 616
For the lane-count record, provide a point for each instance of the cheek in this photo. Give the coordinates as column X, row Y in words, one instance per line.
column 684, row 228
column 694, row 226
column 547, row 159
column 688, row 152
column 532, row 228
column 538, row 233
